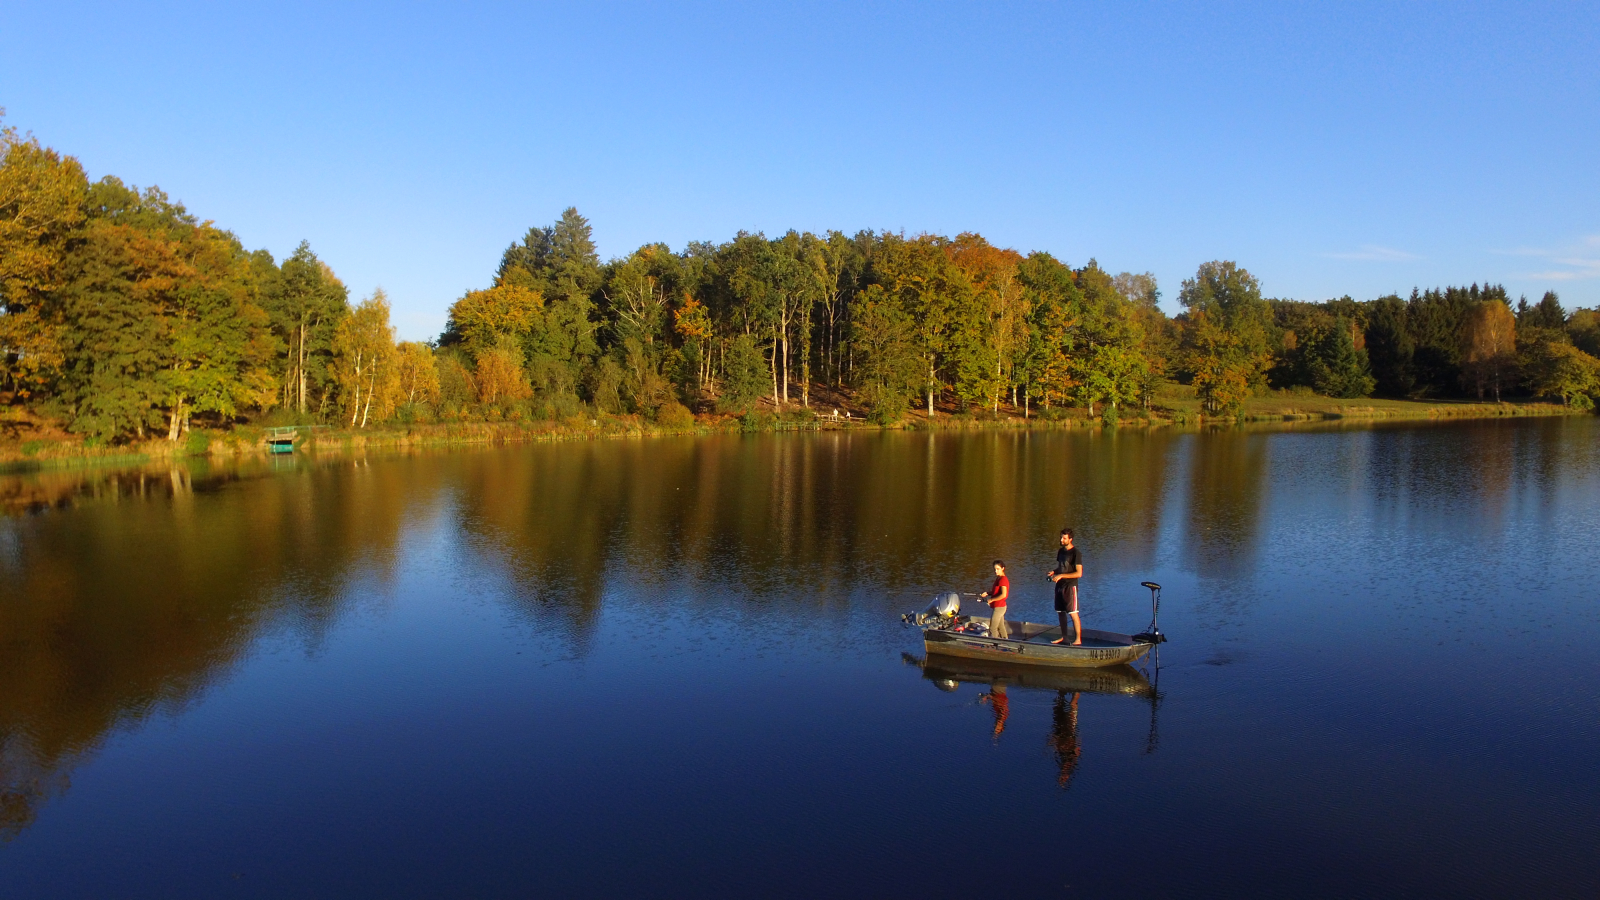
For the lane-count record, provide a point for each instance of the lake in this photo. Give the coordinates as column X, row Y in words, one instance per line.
column 675, row 668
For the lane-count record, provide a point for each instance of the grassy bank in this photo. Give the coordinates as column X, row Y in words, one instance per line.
column 1177, row 403
column 46, row 447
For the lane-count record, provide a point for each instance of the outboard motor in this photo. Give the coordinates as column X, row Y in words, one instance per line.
column 944, row 607
column 1152, row 635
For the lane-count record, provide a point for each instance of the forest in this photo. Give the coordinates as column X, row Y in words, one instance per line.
column 125, row 317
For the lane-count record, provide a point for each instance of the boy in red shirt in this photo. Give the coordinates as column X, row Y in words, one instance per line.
column 996, row 597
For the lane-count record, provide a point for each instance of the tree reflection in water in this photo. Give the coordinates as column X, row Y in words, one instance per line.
column 156, row 583
column 127, row 592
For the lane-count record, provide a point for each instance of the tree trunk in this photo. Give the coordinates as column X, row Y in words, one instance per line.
column 773, row 366
column 174, row 420
column 300, row 366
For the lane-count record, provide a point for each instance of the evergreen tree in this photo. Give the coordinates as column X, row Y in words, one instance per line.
column 1389, row 347
column 1547, row 313
column 1338, row 367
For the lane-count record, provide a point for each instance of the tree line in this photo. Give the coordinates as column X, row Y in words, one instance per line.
column 123, row 316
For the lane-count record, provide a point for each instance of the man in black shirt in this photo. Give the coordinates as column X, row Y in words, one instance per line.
column 1069, row 568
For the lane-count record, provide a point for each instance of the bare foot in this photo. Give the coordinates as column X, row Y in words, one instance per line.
column 1077, row 643
column 1061, row 641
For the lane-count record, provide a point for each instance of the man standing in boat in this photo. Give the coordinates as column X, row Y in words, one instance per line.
column 1069, row 568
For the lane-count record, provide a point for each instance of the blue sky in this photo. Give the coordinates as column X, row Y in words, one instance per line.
column 1353, row 148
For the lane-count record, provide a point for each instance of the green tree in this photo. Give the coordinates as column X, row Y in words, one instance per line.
column 1583, row 328
column 1055, row 313
column 1389, row 347
column 889, row 370
column 1547, row 313
column 306, row 304
column 1551, row 367
column 158, row 320
column 1338, row 368
column 559, row 263
column 1226, row 334
column 1111, row 374
column 746, row 377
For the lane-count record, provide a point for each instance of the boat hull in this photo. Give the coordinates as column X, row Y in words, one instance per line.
column 947, row 671
column 1033, row 647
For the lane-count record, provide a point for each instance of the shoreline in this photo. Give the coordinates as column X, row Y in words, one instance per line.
column 246, row 441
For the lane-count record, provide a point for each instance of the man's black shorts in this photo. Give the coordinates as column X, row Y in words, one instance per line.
column 1063, row 596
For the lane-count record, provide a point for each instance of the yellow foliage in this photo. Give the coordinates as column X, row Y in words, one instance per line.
column 418, row 373
column 483, row 318
column 499, row 376
column 365, row 362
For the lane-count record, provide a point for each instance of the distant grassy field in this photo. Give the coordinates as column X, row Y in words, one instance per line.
column 1181, row 402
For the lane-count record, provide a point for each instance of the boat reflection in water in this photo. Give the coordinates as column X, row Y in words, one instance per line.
column 999, row 679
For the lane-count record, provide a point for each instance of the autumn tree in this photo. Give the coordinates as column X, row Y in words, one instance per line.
column 42, row 204
column 996, row 332
column 1488, row 346
column 692, row 322
column 1159, row 335
column 638, row 293
column 158, row 320
column 366, row 361
column 499, row 377
column 418, row 372
column 482, row 320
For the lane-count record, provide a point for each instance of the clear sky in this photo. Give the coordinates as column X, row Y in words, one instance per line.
column 1349, row 148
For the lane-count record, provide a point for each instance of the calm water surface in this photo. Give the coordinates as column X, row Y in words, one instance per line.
column 674, row 668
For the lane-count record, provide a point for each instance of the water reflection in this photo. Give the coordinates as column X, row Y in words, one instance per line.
column 126, row 594
column 1227, row 489
column 1068, row 685
column 118, row 611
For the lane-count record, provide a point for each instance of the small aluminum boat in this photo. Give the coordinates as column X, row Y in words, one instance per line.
column 1030, row 643
column 948, row 633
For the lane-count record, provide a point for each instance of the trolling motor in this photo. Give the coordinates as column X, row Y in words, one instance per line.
column 1153, row 634
column 941, row 613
